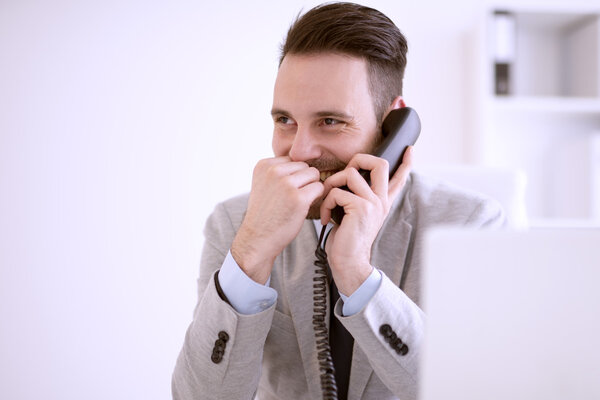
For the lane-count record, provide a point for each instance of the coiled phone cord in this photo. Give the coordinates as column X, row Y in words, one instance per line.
column 328, row 384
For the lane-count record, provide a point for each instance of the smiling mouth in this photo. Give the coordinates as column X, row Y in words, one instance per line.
column 327, row 174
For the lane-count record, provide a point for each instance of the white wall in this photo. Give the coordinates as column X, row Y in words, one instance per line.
column 122, row 123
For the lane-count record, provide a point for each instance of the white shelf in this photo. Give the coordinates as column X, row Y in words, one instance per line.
column 554, row 104
column 564, row 223
column 554, row 54
column 549, row 121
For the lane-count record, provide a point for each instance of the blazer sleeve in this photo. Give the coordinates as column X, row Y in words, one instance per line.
column 390, row 328
column 222, row 351
column 488, row 214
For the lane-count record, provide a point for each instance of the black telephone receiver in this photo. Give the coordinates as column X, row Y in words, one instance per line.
column 400, row 129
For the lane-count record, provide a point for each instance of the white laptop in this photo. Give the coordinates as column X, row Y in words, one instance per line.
column 512, row 315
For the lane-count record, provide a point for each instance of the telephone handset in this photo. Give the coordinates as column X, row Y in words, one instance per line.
column 400, row 129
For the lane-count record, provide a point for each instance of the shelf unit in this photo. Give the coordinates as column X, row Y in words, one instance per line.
column 548, row 123
column 553, row 104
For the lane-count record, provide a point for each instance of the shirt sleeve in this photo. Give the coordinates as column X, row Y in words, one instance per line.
column 361, row 296
column 245, row 295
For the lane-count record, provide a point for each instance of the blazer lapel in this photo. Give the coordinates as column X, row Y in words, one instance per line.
column 393, row 242
column 298, row 262
column 360, row 373
column 388, row 254
column 391, row 249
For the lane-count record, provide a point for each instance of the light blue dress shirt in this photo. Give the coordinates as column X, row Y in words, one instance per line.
column 249, row 297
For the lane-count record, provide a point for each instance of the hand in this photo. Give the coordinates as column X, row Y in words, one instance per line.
column 349, row 245
column 282, row 192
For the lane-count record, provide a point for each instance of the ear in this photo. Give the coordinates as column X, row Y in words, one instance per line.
column 397, row 103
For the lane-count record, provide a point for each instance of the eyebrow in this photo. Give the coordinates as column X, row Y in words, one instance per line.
column 335, row 114
column 279, row 111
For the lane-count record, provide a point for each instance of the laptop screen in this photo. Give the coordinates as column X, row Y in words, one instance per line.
column 512, row 315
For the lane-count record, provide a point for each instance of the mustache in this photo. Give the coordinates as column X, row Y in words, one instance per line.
column 325, row 164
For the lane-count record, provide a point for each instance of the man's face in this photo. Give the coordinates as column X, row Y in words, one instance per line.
column 323, row 112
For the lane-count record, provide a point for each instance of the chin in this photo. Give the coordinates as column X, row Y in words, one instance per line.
column 314, row 211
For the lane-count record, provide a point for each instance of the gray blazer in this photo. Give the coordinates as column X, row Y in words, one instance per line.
column 272, row 354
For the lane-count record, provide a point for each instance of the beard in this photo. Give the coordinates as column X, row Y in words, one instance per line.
column 314, row 211
column 323, row 164
column 336, row 165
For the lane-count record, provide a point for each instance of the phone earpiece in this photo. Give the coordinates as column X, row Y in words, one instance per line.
column 401, row 128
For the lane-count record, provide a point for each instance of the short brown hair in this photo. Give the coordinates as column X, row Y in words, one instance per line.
column 358, row 31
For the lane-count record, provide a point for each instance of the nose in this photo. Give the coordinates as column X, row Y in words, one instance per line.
column 305, row 146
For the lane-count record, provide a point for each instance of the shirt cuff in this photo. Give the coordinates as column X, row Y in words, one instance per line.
column 361, row 296
column 245, row 295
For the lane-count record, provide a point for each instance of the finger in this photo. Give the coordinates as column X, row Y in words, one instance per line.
column 349, row 177
column 334, row 198
column 379, row 168
column 280, row 159
column 280, row 167
column 304, row 177
column 267, row 162
column 401, row 175
column 312, row 191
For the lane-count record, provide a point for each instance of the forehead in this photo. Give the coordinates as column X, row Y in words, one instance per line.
column 322, row 81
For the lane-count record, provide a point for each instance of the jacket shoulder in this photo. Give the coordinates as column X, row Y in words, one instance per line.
column 234, row 208
column 226, row 218
column 442, row 203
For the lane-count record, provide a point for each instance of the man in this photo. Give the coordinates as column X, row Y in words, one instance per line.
column 340, row 74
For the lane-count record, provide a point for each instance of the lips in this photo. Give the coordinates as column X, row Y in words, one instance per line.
column 327, row 174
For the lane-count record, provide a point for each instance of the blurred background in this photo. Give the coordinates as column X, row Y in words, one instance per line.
column 122, row 124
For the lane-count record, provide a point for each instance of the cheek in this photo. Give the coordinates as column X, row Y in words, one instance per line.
column 341, row 154
column 374, row 140
column 280, row 145
column 346, row 151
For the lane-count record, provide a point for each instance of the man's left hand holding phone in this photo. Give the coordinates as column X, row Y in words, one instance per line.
column 282, row 192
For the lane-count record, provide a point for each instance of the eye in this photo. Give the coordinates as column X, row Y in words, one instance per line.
column 282, row 119
column 330, row 121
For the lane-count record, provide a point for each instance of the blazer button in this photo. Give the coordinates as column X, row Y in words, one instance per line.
column 216, row 357
column 223, row 336
column 385, row 330
column 397, row 343
column 220, row 344
column 392, row 337
column 219, row 349
column 403, row 350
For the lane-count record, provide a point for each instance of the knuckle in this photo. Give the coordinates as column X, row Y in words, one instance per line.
column 264, row 166
column 368, row 207
column 352, row 173
column 275, row 170
column 286, row 184
column 336, row 191
column 265, row 162
column 259, row 166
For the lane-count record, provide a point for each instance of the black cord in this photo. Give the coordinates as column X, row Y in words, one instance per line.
column 321, row 282
column 328, row 384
